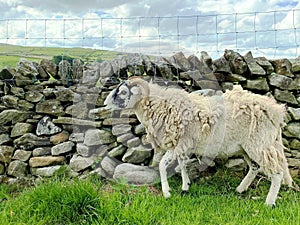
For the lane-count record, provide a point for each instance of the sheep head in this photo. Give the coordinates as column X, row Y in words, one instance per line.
column 127, row 94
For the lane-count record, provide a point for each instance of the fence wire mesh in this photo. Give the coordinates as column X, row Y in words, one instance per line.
column 272, row 34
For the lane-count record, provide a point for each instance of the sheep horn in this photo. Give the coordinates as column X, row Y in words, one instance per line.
column 140, row 82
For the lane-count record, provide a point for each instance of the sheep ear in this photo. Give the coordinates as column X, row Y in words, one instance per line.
column 135, row 90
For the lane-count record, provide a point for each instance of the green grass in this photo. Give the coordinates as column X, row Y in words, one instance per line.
column 210, row 201
column 11, row 54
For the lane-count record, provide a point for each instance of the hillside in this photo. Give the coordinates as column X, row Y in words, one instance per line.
column 10, row 54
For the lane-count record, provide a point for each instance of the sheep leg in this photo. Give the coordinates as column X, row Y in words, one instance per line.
column 184, row 175
column 166, row 160
column 248, row 179
column 276, row 180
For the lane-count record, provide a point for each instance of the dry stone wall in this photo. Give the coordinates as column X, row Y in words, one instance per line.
column 53, row 115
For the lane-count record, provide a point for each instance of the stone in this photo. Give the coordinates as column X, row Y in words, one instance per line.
column 283, row 67
column 91, row 73
column 296, row 65
column 121, row 129
column 124, row 138
column 48, row 171
column 74, row 121
column 46, row 127
column 41, row 151
column 22, row 155
column 50, row 67
column 17, row 168
column 60, row 137
column 14, row 116
column 34, row 96
column 258, row 84
column 139, row 129
column 77, row 70
column 285, row 96
column 7, row 73
column 179, row 61
column 295, row 144
column 236, row 164
column 135, row 174
column 137, row 154
column 265, row 64
column 208, row 84
column 235, row 78
column 292, row 130
column 10, row 101
column 93, row 99
column 283, row 82
column 133, row 142
column 293, row 162
column 2, row 169
column 109, row 165
column 237, row 62
column 24, row 105
column 294, row 112
column 117, row 151
column 79, row 163
column 43, row 161
column 221, row 65
column 99, row 113
column 98, row 137
column 50, row 107
column 64, row 94
column 254, row 68
column 18, row 92
column 20, row 129
column 78, row 110
column 27, row 68
column 76, row 137
column 6, row 153
column 106, row 69
column 4, row 138
column 62, row 148
column 83, row 150
column 30, row 141
column 64, row 72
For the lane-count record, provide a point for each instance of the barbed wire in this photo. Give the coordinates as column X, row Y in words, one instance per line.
column 271, row 33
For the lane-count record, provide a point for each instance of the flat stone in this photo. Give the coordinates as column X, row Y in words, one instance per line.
column 294, row 112
column 48, row 171
column 78, row 110
column 14, row 116
column 295, row 144
column 99, row 113
column 2, row 169
column 83, row 150
column 4, row 138
column 20, row 129
column 121, row 129
column 137, row 154
column 98, row 137
column 46, row 161
column 135, row 174
column 283, row 67
column 10, row 101
column 74, row 121
column 265, row 64
column 60, row 137
column 17, row 168
column 293, row 162
column 33, row 96
column 124, row 138
column 258, row 84
column 30, row 141
column 79, row 163
column 117, row 151
column 292, row 130
column 76, row 137
column 133, row 142
column 283, row 82
column 108, row 165
column 235, row 78
column 41, row 151
column 285, row 96
column 64, row 94
column 62, row 148
column 139, row 129
column 22, row 155
column 24, row 105
column 114, row 121
column 6, row 153
column 50, row 107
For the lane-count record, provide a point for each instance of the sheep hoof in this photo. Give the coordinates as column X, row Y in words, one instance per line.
column 167, row 194
column 240, row 190
column 271, row 205
column 184, row 192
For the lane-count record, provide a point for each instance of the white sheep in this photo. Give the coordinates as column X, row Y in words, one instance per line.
column 237, row 123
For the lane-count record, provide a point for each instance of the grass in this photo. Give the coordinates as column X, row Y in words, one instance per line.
column 93, row 201
column 11, row 54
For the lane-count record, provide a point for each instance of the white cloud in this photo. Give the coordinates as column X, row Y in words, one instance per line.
column 152, row 26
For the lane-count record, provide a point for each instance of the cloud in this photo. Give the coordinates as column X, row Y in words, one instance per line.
column 155, row 26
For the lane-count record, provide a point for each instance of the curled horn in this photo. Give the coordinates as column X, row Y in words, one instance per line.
column 140, row 82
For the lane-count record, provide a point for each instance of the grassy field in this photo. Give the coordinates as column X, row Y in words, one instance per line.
column 211, row 200
column 10, row 54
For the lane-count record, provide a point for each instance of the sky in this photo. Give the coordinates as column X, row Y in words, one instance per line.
column 268, row 28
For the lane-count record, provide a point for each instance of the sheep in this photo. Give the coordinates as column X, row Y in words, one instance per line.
column 179, row 124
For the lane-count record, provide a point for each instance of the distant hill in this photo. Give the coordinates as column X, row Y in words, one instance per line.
column 10, row 54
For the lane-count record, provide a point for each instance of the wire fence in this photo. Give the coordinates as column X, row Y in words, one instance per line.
column 272, row 34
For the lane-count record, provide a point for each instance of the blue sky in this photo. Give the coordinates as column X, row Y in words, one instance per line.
column 159, row 27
